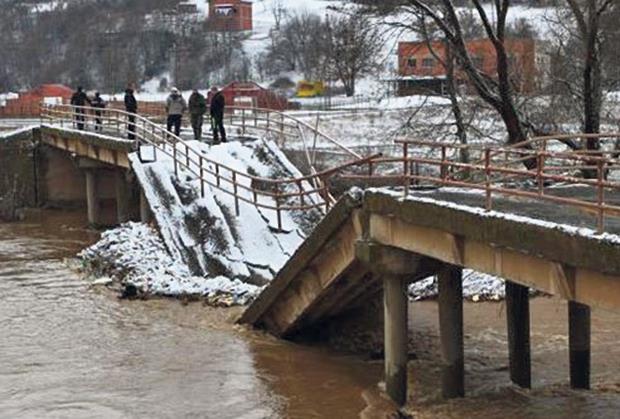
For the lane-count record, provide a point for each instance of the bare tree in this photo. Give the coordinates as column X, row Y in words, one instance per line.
column 588, row 15
column 495, row 89
column 279, row 12
column 354, row 48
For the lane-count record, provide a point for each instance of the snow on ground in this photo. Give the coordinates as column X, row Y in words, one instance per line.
column 134, row 254
column 476, row 287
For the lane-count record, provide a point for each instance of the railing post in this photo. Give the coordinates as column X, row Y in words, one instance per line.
column 487, row 171
column 406, row 167
column 444, row 171
column 174, row 157
column 301, row 193
column 243, row 121
column 217, row 175
column 540, row 171
column 278, row 211
column 202, row 174
column 187, row 156
column 601, row 196
column 234, row 179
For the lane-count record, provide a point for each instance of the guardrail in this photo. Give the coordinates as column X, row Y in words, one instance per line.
column 294, row 194
column 283, row 128
column 500, row 171
column 493, row 170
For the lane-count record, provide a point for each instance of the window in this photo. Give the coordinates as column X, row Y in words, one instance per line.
column 225, row 11
column 412, row 62
column 428, row 63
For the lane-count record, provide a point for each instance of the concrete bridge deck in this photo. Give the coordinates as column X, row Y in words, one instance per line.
column 379, row 241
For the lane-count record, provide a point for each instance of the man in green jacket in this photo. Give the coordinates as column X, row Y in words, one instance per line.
column 197, row 109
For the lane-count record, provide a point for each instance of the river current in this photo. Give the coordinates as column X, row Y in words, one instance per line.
column 70, row 350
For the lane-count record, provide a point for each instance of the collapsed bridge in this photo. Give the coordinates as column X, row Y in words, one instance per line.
column 435, row 214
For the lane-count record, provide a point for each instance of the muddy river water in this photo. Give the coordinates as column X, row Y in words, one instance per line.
column 69, row 350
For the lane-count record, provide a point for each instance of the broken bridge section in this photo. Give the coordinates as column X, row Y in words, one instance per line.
column 199, row 222
column 379, row 241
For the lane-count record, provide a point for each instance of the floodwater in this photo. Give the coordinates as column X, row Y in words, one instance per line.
column 68, row 350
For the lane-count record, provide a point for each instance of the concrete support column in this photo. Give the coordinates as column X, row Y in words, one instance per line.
column 395, row 340
column 396, row 267
column 518, row 319
column 145, row 211
column 579, row 345
column 92, row 198
column 451, row 330
column 122, row 197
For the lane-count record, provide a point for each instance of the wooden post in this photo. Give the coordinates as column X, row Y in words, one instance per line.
column 518, row 319
column 451, row 331
column 579, row 345
column 92, row 199
column 122, row 197
column 395, row 340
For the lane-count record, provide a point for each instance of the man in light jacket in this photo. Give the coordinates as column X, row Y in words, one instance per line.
column 175, row 107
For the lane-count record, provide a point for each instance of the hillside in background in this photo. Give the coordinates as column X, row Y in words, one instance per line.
column 106, row 44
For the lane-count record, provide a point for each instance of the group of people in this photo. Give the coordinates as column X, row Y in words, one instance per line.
column 176, row 106
column 80, row 99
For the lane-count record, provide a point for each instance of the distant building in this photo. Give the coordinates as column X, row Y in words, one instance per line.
column 28, row 103
column 420, row 71
column 230, row 15
column 252, row 95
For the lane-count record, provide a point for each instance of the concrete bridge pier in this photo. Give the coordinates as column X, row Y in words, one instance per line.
column 122, row 196
column 518, row 319
column 92, row 198
column 450, row 280
column 579, row 345
column 396, row 268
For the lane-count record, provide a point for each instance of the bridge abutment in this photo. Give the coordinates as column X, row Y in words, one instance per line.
column 518, row 319
column 579, row 345
column 450, row 280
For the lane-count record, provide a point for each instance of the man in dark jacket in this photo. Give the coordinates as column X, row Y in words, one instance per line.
column 98, row 103
column 217, row 114
column 79, row 100
column 131, row 107
column 197, row 109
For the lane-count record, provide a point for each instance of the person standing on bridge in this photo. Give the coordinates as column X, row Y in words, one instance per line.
column 79, row 101
column 99, row 104
column 218, row 103
column 175, row 107
column 131, row 107
column 197, row 109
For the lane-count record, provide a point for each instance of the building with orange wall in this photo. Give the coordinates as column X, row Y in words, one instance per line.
column 230, row 15
column 28, row 103
column 420, row 70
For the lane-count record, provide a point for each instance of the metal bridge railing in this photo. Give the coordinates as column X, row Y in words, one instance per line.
column 279, row 195
column 500, row 171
